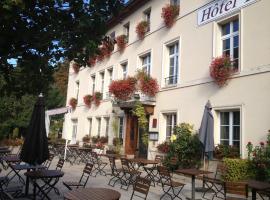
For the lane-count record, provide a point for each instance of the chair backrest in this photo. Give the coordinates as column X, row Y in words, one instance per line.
column 112, row 164
column 125, row 164
column 164, row 174
column 159, row 158
column 94, row 155
column 48, row 162
column 236, row 188
column 60, row 164
column 142, row 186
column 86, row 173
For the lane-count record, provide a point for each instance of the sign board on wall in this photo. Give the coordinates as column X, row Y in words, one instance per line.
column 220, row 8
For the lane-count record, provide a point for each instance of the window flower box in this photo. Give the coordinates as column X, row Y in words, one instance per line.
column 221, row 69
column 148, row 85
column 121, row 42
column 169, row 14
column 88, row 100
column 141, row 29
column 73, row 103
column 97, row 97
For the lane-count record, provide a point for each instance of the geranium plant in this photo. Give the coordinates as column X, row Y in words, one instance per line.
column 123, row 89
column 221, row 70
column 73, row 103
column 88, row 100
column 169, row 14
column 141, row 29
column 97, row 97
column 147, row 84
column 76, row 67
column 121, row 42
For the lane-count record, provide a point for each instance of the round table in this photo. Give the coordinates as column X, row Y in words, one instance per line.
column 93, row 194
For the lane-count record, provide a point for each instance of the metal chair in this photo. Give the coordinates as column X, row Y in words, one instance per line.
column 83, row 180
column 130, row 174
column 141, row 186
column 169, row 187
column 117, row 174
column 98, row 165
column 60, row 164
column 152, row 172
column 48, row 162
column 236, row 188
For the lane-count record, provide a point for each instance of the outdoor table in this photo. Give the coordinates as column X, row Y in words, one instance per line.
column 257, row 186
column 92, row 194
column 50, row 179
column 193, row 173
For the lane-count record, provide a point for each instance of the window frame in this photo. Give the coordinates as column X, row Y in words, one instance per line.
column 126, row 27
column 124, row 73
column 93, row 79
column 98, row 126
column 90, row 123
column 175, row 56
column 102, row 85
column 148, row 64
column 147, row 18
column 107, row 126
column 173, row 123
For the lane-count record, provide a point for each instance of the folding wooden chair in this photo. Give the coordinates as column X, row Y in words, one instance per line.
column 239, row 190
column 83, row 180
column 98, row 165
column 169, row 187
column 117, row 174
column 48, row 162
column 130, row 173
column 141, row 186
column 60, row 164
column 152, row 172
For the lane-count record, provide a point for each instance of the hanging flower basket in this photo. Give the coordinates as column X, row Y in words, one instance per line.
column 88, row 100
column 121, row 42
column 97, row 97
column 221, row 70
column 123, row 89
column 92, row 60
column 169, row 14
column 73, row 103
column 76, row 67
column 141, row 29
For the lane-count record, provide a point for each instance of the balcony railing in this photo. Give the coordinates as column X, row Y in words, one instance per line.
column 171, row 80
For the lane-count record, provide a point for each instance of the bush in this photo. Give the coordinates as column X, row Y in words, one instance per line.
column 237, row 170
column 224, row 151
column 186, row 147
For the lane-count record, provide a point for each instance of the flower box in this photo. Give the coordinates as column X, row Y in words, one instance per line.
column 97, row 97
column 88, row 100
column 73, row 103
column 148, row 86
column 141, row 29
column 121, row 42
column 169, row 14
column 221, row 70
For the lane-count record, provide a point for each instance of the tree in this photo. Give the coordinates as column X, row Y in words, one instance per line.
column 61, row 77
column 37, row 34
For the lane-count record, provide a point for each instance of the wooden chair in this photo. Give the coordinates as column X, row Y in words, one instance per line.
column 152, row 172
column 141, row 186
column 83, row 180
column 169, row 187
column 129, row 173
column 238, row 189
column 98, row 165
column 48, row 162
column 60, row 164
column 117, row 174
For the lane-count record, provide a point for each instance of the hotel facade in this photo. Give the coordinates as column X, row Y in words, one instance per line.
column 179, row 58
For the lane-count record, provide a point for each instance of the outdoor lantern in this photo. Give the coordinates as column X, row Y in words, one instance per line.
column 153, row 136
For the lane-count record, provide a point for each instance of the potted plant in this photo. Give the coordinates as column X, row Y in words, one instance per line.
column 76, row 67
column 221, row 69
column 141, row 29
column 95, row 139
column 123, row 89
column 169, row 14
column 226, row 151
column 88, row 100
column 148, row 85
column 73, row 103
column 97, row 97
column 121, row 42
column 103, row 140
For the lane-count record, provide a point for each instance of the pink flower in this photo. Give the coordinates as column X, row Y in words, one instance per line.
column 262, row 143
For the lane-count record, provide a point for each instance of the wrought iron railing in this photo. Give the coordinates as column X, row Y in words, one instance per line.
column 171, row 80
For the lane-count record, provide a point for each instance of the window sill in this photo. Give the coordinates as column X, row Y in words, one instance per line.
column 169, row 86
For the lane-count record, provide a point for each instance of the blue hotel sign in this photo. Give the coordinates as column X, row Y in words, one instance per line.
column 220, row 8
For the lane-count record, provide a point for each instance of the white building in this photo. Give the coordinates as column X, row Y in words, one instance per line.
column 179, row 58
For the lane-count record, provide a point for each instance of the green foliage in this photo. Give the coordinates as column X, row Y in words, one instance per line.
column 186, row 148
column 237, row 170
column 226, row 151
column 142, row 121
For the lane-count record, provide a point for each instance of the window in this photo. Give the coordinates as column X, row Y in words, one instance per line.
column 175, row 2
column 126, row 31
column 146, row 63
column 147, row 17
column 93, row 84
column 102, row 82
column 77, row 89
column 74, row 129
column 110, row 73
column 173, row 64
column 90, row 126
column 121, row 127
column 171, row 120
column 230, row 41
column 107, row 120
column 99, row 126
column 230, row 128
column 124, row 70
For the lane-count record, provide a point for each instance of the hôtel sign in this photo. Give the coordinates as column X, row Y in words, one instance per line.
column 220, row 8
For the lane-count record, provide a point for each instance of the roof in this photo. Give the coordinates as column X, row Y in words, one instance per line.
column 130, row 8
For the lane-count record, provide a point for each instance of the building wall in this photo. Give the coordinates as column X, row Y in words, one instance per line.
column 247, row 91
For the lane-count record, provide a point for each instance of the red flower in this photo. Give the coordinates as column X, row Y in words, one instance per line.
column 76, row 67
column 123, row 89
column 221, row 70
column 262, row 143
column 121, row 42
column 249, row 143
column 149, row 86
column 169, row 13
column 88, row 100
column 73, row 103
column 141, row 29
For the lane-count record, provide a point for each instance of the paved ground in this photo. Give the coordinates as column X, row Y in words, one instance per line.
column 73, row 173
